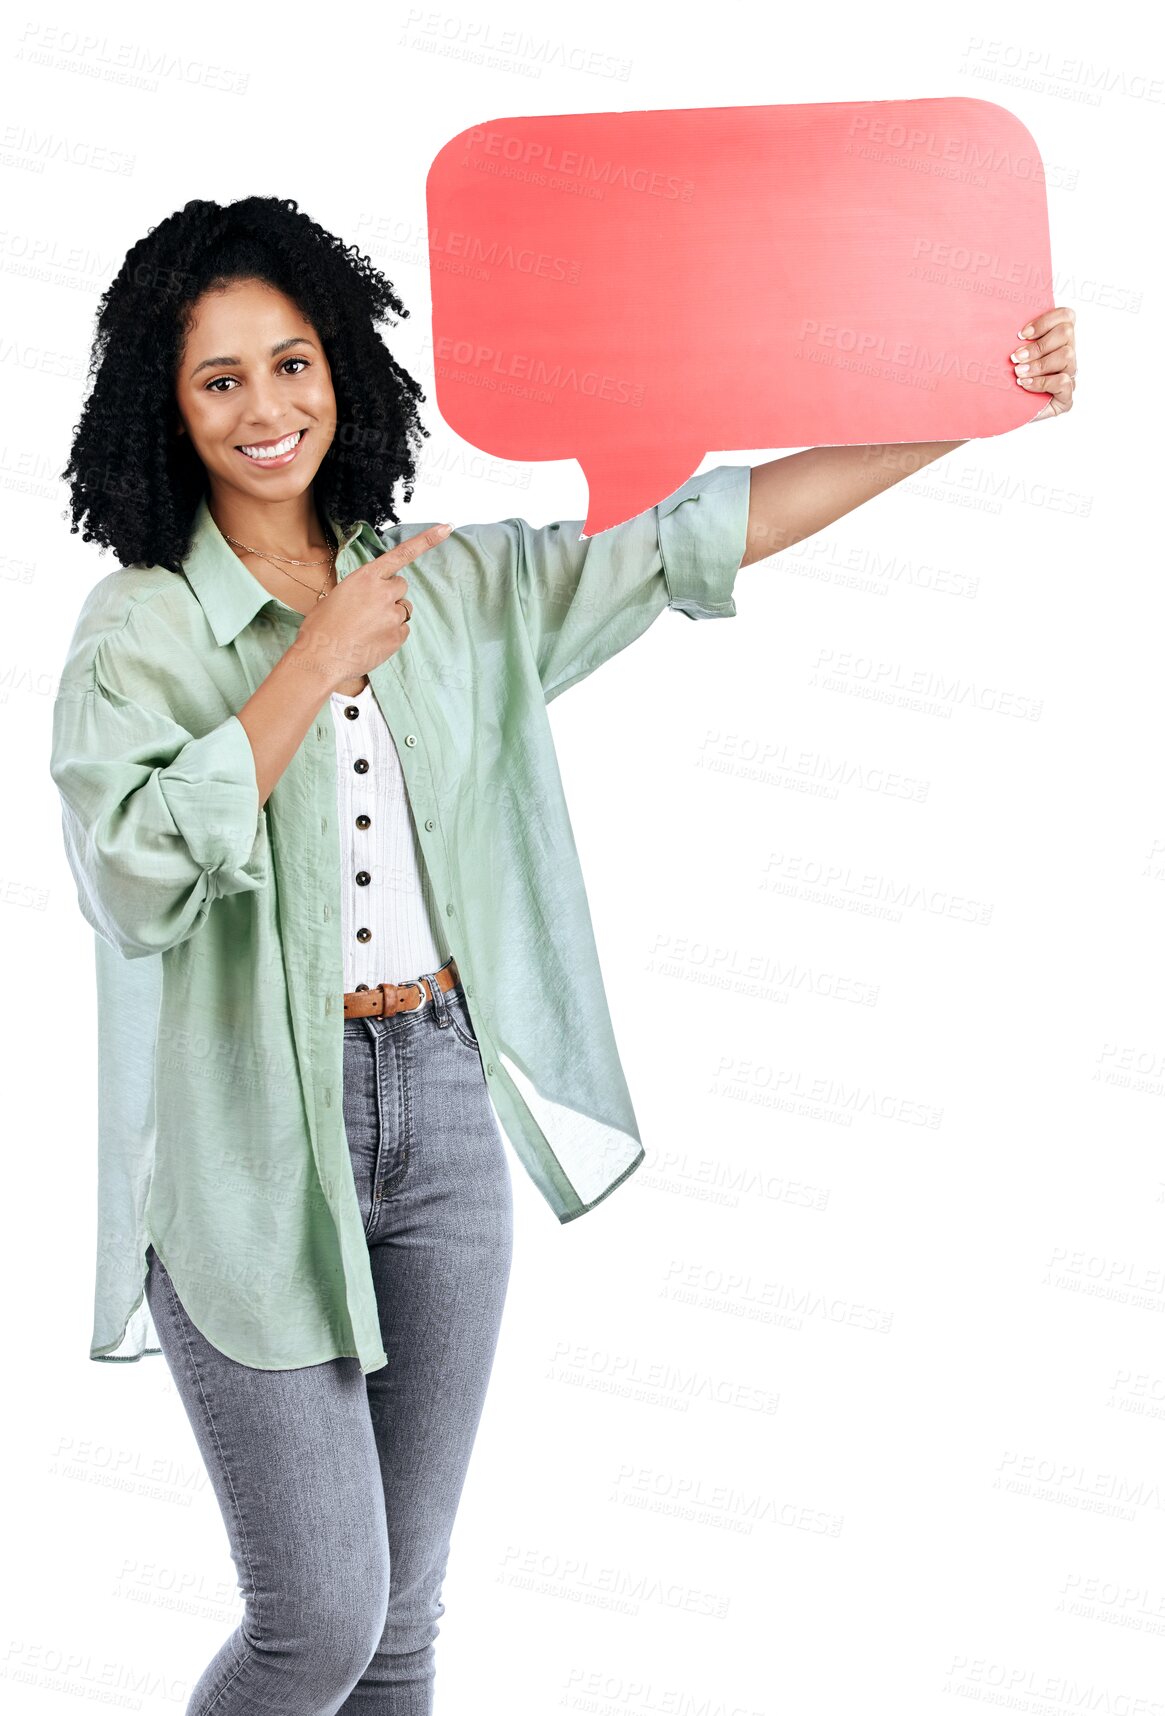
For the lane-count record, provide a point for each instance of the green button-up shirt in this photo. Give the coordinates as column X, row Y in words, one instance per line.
column 217, row 921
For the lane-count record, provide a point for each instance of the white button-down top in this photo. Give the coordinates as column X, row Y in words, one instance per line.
column 390, row 926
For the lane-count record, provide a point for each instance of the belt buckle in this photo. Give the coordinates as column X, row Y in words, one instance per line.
column 419, row 987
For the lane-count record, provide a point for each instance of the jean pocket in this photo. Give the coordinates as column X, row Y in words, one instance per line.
column 460, row 1020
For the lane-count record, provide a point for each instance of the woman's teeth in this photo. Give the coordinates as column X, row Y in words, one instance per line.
column 261, row 454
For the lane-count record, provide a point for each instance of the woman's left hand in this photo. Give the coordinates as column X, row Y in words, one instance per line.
column 1045, row 359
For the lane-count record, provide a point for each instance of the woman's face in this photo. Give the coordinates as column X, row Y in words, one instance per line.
column 253, row 373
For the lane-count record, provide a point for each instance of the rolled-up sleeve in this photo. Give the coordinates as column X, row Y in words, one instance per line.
column 158, row 823
column 584, row 601
column 703, row 528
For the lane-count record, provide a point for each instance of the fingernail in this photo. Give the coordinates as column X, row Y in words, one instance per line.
column 444, row 529
column 1026, row 333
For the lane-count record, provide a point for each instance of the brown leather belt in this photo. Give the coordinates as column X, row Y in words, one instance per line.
column 388, row 998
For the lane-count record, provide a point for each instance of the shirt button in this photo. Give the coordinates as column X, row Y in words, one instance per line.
column 430, row 824
column 410, row 738
column 363, row 935
column 490, row 1068
column 361, row 765
column 449, row 909
column 363, row 821
column 351, row 711
column 362, row 878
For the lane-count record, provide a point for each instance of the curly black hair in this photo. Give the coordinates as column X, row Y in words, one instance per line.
column 135, row 482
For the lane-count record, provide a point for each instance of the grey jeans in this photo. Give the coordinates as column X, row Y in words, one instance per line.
column 339, row 1490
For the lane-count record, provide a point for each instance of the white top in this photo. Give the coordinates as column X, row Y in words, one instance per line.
column 390, row 924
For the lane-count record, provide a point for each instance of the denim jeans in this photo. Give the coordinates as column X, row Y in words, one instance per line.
column 338, row 1490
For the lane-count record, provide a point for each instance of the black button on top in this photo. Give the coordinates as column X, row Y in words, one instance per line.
column 363, row 821
column 351, row 711
column 362, row 878
column 363, row 935
column 361, row 986
column 361, row 765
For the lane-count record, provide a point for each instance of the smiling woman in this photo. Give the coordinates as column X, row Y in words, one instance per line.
column 254, row 396
column 339, row 919
column 261, row 422
column 183, row 384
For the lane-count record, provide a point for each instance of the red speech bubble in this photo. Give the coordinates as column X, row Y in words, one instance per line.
column 635, row 289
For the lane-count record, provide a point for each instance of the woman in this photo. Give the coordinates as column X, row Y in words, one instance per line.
column 338, row 912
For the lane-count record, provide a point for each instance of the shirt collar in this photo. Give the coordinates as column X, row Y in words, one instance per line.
column 231, row 596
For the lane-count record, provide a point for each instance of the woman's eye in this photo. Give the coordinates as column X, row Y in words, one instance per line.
column 213, row 386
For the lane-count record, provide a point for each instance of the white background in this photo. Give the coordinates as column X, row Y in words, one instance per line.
column 734, row 1497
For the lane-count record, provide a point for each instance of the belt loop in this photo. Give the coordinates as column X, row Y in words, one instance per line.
column 440, row 1004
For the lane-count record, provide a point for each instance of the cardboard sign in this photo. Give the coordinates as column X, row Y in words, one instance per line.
column 636, row 290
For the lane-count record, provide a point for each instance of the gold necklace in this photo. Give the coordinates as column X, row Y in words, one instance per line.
column 264, row 554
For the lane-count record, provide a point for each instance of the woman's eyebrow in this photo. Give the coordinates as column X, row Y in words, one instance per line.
column 279, row 346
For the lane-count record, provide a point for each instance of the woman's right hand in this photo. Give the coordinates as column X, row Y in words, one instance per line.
column 362, row 621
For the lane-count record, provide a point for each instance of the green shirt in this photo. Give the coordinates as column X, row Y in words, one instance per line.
column 217, row 921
